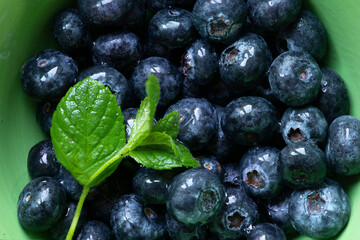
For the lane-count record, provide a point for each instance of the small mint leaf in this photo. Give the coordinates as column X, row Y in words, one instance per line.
column 168, row 124
column 87, row 131
column 145, row 115
column 160, row 151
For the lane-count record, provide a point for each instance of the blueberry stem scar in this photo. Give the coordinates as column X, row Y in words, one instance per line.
column 79, row 207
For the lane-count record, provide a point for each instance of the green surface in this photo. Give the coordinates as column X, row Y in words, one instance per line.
column 25, row 29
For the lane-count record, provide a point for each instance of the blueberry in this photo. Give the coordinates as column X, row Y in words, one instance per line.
column 250, row 121
column 156, row 5
column 244, row 63
column 219, row 21
column 266, row 231
column 321, row 212
column 232, row 174
column 273, row 15
column 200, row 62
column 303, row 165
column 131, row 220
column 307, row 33
column 70, row 32
column 48, row 75
column 41, row 204
column 191, row 90
column 198, row 122
column 152, row 185
column 101, row 200
column 180, row 231
column 44, row 112
column 343, row 145
column 169, row 77
column 71, row 186
column 172, row 27
column 195, row 196
column 276, row 210
column 295, row 78
column 210, row 163
column 111, row 78
column 95, row 230
column 237, row 216
column 221, row 146
column 261, row 172
column 333, row 98
column 61, row 228
column 135, row 19
column 42, row 161
column 117, row 50
column 104, row 13
column 304, row 124
column 129, row 118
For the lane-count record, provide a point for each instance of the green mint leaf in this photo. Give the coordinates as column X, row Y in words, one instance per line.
column 88, row 131
column 168, row 124
column 160, row 151
column 145, row 115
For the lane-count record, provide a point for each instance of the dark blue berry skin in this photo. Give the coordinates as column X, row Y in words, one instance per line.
column 111, row 78
column 41, row 204
column 70, row 32
column 191, row 90
column 307, row 33
column 180, row 231
column 295, row 78
column 104, row 13
column 195, row 196
column 135, row 19
column 172, row 27
column 232, row 174
column 343, row 145
column 130, row 220
column 71, row 186
column 61, row 228
column 48, row 75
column 210, row 163
column 304, row 124
column 42, row 160
column 95, row 230
column 169, row 77
column 244, row 63
column 220, row 93
column 44, row 112
column 238, row 214
column 261, row 171
column 321, row 212
column 333, row 98
column 129, row 118
column 250, row 121
column 198, row 122
column 266, row 231
column 273, row 15
column 156, row 5
column 152, row 185
column 200, row 62
column 117, row 50
column 276, row 210
column 221, row 146
column 303, row 165
column 219, row 21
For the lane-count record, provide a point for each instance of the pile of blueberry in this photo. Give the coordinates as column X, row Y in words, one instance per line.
column 267, row 124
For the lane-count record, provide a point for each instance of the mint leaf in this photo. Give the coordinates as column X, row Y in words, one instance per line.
column 168, row 124
column 160, row 151
column 145, row 115
column 88, row 131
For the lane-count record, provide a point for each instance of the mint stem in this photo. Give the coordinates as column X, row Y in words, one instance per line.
column 76, row 217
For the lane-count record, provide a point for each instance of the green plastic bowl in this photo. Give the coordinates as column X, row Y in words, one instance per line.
column 25, row 30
